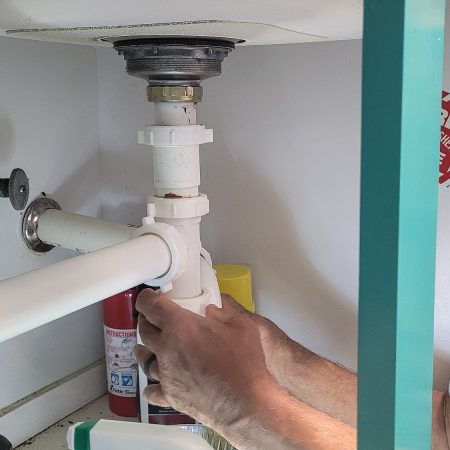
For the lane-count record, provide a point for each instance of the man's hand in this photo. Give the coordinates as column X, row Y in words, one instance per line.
column 305, row 375
column 221, row 369
column 279, row 350
column 209, row 367
column 213, row 368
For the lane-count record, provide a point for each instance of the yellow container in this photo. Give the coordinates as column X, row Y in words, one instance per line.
column 236, row 280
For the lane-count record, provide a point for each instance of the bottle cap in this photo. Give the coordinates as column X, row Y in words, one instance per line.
column 236, row 281
column 5, row 444
column 78, row 436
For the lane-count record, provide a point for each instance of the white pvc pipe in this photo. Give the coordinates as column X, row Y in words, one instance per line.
column 41, row 296
column 175, row 113
column 176, row 171
column 80, row 233
column 188, row 284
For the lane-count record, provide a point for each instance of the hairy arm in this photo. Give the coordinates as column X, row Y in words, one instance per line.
column 308, row 377
column 440, row 421
column 328, row 387
column 241, row 375
column 213, row 368
column 278, row 421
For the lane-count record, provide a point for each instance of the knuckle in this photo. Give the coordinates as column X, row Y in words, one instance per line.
column 146, row 341
column 211, row 310
column 141, row 320
column 158, row 303
column 149, row 394
column 139, row 351
column 145, row 294
column 144, row 329
column 142, row 298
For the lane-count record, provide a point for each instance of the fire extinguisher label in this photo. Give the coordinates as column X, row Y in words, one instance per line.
column 121, row 366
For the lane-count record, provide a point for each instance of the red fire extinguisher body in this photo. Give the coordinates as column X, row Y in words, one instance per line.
column 120, row 330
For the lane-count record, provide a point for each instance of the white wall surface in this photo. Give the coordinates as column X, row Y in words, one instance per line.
column 283, row 180
column 48, row 127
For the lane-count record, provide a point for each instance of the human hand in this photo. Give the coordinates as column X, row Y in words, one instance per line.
column 303, row 374
column 211, row 368
column 280, row 351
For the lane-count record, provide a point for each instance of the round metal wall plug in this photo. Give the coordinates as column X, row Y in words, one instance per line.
column 16, row 188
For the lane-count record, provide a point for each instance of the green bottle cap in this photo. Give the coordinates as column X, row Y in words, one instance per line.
column 82, row 435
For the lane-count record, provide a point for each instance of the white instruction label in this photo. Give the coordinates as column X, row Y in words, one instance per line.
column 121, row 367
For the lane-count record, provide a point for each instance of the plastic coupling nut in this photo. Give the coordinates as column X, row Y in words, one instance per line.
column 178, row 208
column 196, row 305
column 175, row 135
column 177, row 246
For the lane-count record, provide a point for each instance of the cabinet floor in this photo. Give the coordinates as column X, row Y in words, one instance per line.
column 54, row 438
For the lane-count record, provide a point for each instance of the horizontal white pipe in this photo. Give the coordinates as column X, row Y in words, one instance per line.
column 43, row 295
column 80, row 233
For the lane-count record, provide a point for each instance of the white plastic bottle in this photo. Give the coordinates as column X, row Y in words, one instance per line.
column 115, row 435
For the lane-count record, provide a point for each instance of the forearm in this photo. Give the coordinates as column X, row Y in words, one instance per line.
column 277, row 420
column 311, row 379
column 332, row 390
column 440, row 421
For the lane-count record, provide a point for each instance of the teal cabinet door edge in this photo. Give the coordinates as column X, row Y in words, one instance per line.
column 402, row 82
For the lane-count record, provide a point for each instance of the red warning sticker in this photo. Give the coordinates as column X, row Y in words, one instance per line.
column 444, row 158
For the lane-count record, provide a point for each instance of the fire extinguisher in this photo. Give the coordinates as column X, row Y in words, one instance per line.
column 120, row 331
